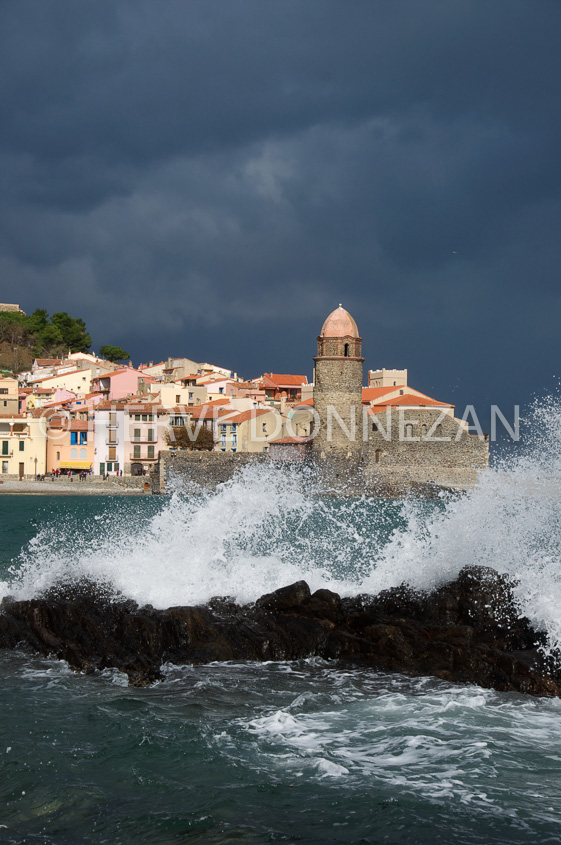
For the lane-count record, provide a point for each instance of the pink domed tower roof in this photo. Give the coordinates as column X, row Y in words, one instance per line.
column 339, row 324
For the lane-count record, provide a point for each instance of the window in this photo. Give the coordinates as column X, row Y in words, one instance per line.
column 151, row 437
column 378, row 454
column 3, row 390
column 137, row 417
column 424, row 430
column 136, row 434
column 265, row 427
column 112, row 453
column 112, row 418
column 346, row 352
column 102, row 469
column 58, row 456
column 177, row 398
column 190, row 396
column 223, row 440
column 83, row 454
column 74, row 454
column 136, row 451
column 83, row 437
column 374, row 426
column 234, row 427
column 221, row 390
column 4, row 467
column 150, row 451
column 144, row 417
column 150, row 417
column 22, row 445
column 116, row 467
column 5, row 403
column 234, row 450
column 408, row 430
column 223, row 427
column 234, row 440
column 73, row 437
column 5, row 447
column 109, row 467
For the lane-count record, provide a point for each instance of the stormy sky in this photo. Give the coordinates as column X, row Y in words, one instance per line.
column 211, row 178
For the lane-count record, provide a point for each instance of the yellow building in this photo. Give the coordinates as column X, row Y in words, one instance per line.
column 249, row 431
column 9, row 393
column 23, row 446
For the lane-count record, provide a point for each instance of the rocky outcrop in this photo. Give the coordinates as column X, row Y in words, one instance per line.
column 467, row 631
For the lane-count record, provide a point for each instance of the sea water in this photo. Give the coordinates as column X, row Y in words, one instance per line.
column 306, row 751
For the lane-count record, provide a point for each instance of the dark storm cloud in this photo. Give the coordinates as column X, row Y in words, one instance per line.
column 211, row 178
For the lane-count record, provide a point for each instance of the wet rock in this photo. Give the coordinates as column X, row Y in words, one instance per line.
column 469, row 631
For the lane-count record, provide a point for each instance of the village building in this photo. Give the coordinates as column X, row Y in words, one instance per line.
column 128, row 436
column 22, row 446
column 248, row 431
column 9, row 395
column 277, row 384
column 70, row 445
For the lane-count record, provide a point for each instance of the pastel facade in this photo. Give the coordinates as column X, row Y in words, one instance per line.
column 23, row 446
column 119, row 384
column 171, row 394
column 249, row 431
column 128, row 437
column 387, row 378
column 70, row 445
column 9, row 396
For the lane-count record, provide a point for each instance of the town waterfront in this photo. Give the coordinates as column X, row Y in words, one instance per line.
column 281, row 752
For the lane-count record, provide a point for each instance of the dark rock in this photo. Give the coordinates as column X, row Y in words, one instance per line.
column 469, row 631
column 287, row 598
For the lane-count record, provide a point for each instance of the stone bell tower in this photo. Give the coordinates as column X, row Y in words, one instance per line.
column 338, row 387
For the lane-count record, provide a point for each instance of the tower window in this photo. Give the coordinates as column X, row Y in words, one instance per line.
column 346, row 350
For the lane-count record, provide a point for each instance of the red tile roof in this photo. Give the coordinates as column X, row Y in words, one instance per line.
column 286, row 380
column 410, row 402
column 251, row 414
column 370, row 393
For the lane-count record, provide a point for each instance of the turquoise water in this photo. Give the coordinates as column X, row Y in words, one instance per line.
column 306, row 752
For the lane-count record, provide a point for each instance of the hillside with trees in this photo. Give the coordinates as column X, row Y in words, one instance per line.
column 25, row 337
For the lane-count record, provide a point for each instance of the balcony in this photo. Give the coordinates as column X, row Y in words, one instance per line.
column 143, row 440
column 110, row 442
column 142, row 458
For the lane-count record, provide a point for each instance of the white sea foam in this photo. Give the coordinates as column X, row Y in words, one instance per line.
column 267, row 528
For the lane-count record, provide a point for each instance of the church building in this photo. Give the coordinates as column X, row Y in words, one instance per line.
column 387, row 430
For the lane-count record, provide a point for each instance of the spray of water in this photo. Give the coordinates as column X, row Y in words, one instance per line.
column 269, row 527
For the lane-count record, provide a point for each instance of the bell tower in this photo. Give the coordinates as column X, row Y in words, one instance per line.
column 338, row 387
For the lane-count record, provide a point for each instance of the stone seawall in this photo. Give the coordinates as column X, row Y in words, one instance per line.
column 333, row 475
column 200, row 469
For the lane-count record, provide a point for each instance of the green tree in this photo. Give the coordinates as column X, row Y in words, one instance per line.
column 113, row 353
column 49, row 338
column 38, row 321
column 184, row 437
column 73, row 331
